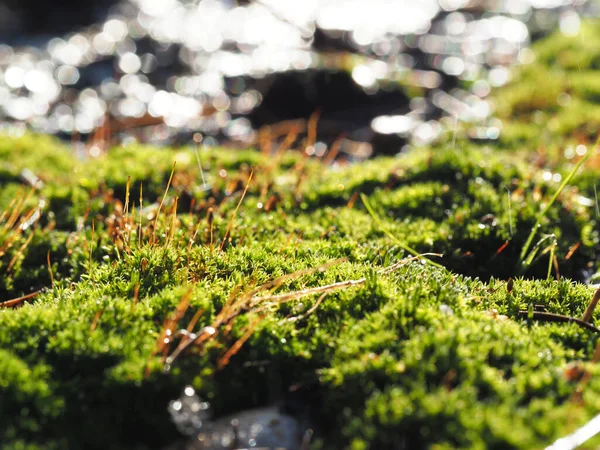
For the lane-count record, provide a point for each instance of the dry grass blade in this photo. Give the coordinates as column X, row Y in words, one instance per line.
column 294, row 295
column 18, row 208
column 50, row 269
column 540, row 217
column 309, row 312
column 273, row 300
column 551, row 317
column 285, row 145
column 95, row 320
column 589, row 311
column 235, row 348
column 162, row 202
column 91, row 253
column 352, row 200
column 230, row 226
column 231, row 308
column 126, row 208
column 334, row 150
column 166, row 335
column 312, row 129
column 5, row 213
column 233, row 303
column 136, row 293
column 18, row 254
column 572, row 250
column 210, row 219
column 17, row 301
column 173, row 226
column 249, row 302
column 389, row 234
column 11, row 228
column 194, row 320
column 187, row 337
column 264, row 139
column 141, row 215
column 291, row 276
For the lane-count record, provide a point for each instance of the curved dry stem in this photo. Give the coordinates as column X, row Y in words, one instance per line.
column 587, row 315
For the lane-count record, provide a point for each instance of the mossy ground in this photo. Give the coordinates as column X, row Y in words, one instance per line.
column 422, row 356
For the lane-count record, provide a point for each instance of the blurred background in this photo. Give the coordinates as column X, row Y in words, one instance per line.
column 373, row 76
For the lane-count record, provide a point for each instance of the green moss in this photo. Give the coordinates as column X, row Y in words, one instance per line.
column 385, row 362
column 558, row 92
column 417, row 357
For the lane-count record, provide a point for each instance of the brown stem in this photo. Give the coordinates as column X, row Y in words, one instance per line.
column 550, row 317
column 19, row 300
column 587, row 315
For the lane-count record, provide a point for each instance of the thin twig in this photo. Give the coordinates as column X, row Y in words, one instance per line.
column 551, row 317
column 587, row 315
column 309, row 312
column 19, row 300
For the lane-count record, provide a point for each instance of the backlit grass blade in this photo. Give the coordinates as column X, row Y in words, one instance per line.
column 389, row 234
column 543, row 213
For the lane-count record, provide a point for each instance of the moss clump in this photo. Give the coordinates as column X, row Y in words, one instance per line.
column 122, row 253
column 552, row 102
column 418, row 355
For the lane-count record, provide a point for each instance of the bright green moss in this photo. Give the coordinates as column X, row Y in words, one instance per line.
column 558, row 92
column 413, row 356
column 420, row 357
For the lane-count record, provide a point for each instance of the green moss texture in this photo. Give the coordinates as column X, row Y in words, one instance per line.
column 116, row 254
